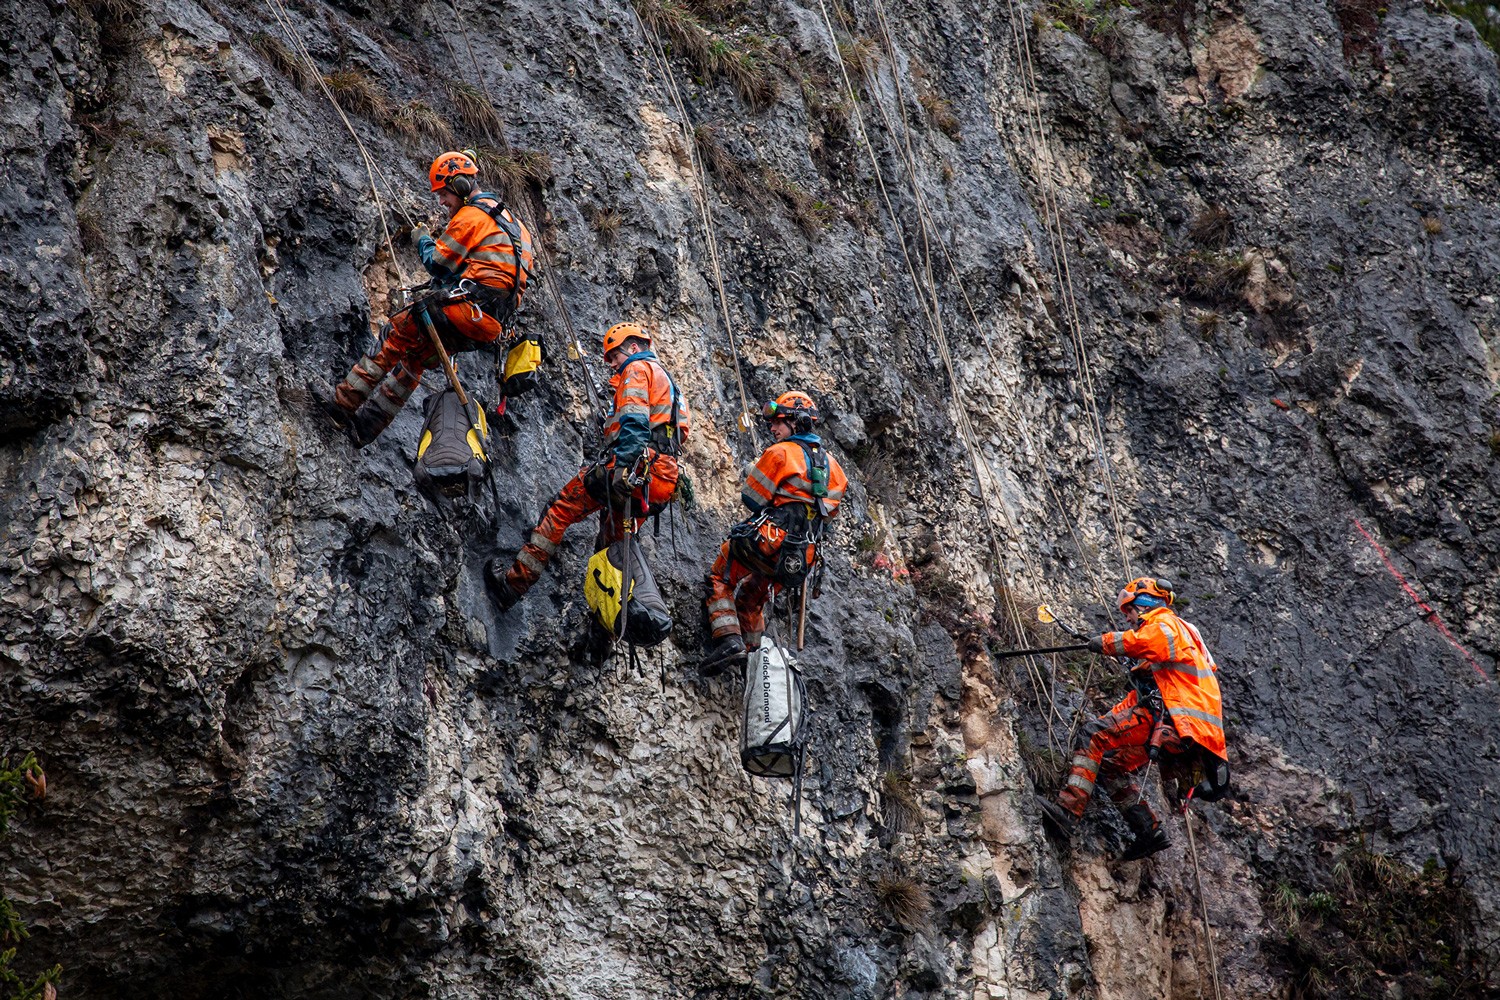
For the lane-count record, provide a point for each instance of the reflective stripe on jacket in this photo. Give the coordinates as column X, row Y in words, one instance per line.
column 779, row 477
column 643, row 403
column 474, row 246
column 1184, row 672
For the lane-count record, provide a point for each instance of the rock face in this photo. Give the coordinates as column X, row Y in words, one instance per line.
column 294, row 753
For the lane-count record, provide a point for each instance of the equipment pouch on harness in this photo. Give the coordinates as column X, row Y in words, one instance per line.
column 451, row 460
column 779, row 543
column 772, row 739
column 648, row 621
column 522, row 362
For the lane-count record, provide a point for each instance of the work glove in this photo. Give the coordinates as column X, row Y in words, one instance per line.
column 419, row 233
column 1096, row 644
column 619, row 485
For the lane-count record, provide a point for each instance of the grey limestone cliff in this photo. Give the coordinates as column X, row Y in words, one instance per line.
column 293, row 752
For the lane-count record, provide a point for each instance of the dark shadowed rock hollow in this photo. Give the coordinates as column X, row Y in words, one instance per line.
column 293, row 752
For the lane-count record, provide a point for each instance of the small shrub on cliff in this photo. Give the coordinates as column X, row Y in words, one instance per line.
column 357, row 94
column 902, row 899
column 899, row 805
column 1214, row 277
column 1095, row 21
column 474, row 110
column 712, row 55
column 274, row 51
column 735, row 174
column 858, row 55
column 419, row 120
column 606, row 222
column 1212, row 228
column 1375, row 923
column 515, row 169
column 940, row 114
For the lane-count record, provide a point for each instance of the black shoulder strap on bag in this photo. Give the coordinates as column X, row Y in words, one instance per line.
column 504, row 307
column 817, row 476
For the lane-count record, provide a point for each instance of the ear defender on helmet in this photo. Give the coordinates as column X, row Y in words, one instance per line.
column 452, row 168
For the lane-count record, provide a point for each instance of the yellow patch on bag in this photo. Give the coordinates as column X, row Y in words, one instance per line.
column 601, row 588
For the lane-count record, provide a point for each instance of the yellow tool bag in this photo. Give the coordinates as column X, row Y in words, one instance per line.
column 648, row 621
column 523, row 362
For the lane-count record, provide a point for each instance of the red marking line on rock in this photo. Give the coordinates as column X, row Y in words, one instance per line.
column 1431, row 616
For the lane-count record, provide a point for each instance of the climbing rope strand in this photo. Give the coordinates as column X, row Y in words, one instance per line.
column 930, row 226
column 484, row 85
column 1041, row 677
column 705, row 211
column 933, row 314
column 1056, row 237
column 1208, row 928
column 934, row 321
column 957, row 280
column 284, row 19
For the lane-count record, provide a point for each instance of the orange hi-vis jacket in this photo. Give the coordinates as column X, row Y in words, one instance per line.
column 1184, row 672
column 779, row 477
column 644, row 398
column 476, row 247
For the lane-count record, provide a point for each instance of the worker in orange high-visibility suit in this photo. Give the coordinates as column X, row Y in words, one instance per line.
column 638, row 464
column 791, row 490
column 481, row 263
column 1176, row 706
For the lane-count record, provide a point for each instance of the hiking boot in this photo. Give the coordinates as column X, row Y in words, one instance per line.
column 502, row 595
column 1056, row 820
column 1145, row 844
column 360, row 426
column 367, row 424
column 720, row 654
column 328, row 402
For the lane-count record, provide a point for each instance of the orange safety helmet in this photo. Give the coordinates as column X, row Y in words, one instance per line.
column 1146, row 586
column 792, row 405
column 448, row 166
column 621, row 332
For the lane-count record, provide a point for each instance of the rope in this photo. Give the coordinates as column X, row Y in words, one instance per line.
column 284, row 19
column 934, row 322
column 746, row 422
column 575, row 346
column 904, row 145
column 932, row 311
column 1056, row 239
column 1208, row 928
column 910, row 157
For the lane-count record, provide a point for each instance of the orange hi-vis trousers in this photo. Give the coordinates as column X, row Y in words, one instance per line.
column 737, row 598
column 581, row 496
column 1117, row 748
column 410, row 345
column 389, row 378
